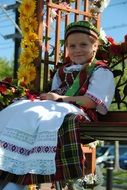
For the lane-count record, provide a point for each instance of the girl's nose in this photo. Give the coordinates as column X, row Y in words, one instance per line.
column 77, row 48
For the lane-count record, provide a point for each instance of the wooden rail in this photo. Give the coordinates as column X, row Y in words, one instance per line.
column 111, row 127
column 54, row 32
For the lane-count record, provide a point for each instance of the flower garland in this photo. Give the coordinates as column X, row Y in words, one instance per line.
column 28, row 24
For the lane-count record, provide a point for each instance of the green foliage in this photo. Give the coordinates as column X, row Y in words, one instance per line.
column 6, row 69
column 120, row 99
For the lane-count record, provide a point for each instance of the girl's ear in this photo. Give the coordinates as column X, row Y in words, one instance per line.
column 95, row 46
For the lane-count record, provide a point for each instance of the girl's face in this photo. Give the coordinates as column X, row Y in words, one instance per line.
column 81, row 47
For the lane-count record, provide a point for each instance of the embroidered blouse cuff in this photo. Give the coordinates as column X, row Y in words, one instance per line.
column 101, row 107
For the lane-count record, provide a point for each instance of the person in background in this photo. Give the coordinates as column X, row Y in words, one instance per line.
column 81, row 88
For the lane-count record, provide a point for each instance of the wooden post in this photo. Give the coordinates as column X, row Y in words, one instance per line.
column 16, row 46
column 90, row 155
column 46, row 56
column 39, row 13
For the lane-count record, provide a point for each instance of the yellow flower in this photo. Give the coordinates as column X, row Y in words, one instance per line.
column 34, row 23
column 28, row 54
column 24, row 26
column 27, row 7
column 35, row 50
column 24, row 44
column 28, row 24
column 29, row 44
column 26, row 77
column 32, row 37
column 25, row 30
column 23, row 59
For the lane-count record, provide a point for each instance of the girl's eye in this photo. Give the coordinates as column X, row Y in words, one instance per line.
column 83, row 45
column 72, row 46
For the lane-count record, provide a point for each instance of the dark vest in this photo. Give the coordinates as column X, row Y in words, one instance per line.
column 84, row 76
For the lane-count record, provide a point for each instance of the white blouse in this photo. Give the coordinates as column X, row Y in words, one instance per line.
column 101, row 88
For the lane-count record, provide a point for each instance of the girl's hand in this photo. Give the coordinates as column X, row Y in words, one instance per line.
column 49, row 96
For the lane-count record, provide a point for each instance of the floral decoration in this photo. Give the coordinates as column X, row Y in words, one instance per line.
column 28, row 23
column 97, row 6
column 10, row 92
column 111, row 51
column 89, row 181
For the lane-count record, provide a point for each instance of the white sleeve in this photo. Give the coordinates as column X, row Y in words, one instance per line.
column 56, row 82
column 101, row 89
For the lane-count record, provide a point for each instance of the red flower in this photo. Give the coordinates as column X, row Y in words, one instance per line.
column 110, row 40
column 8, row 80
column 102, row 55
column 3, row 89
column 30, row 96
column 115, row 49
column 124, row 47
column 23, row 84
column 9, row 92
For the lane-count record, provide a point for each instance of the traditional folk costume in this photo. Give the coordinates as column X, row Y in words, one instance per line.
column 39, row 140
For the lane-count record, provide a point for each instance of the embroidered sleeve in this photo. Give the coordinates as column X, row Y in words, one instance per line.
column 101, row 89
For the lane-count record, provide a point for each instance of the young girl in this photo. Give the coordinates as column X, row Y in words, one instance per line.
column 40, row 140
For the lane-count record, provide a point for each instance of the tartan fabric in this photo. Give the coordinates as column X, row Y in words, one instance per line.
column 69, row 158
column 69, row 154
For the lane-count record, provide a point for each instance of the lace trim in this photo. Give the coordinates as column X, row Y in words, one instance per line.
column 31, row 155
column 25, row 137
column 38, row 159
column 35, row 166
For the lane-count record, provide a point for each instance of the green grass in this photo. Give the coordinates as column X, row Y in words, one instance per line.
column 119, row 178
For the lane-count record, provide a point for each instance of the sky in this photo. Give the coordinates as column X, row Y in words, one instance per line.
column 113, row 22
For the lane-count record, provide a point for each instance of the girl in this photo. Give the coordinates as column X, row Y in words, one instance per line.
column 40, row 140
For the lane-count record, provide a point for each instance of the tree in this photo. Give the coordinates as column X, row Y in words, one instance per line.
column 6, row 69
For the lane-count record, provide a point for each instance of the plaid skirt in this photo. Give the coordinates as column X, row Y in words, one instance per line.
column 69, row 157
